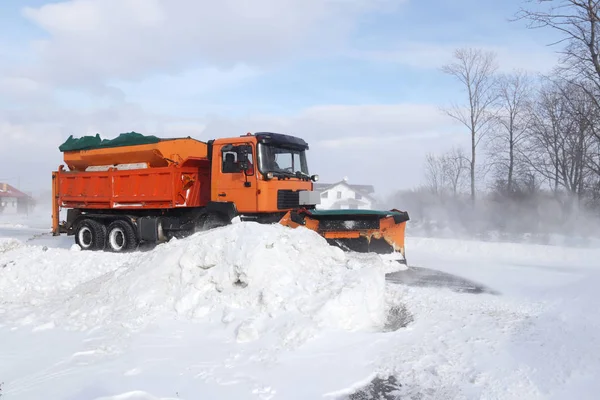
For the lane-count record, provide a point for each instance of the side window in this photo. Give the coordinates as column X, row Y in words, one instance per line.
column 233, row 157
column 229, row 161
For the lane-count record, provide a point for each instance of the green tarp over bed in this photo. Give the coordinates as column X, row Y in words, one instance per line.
column 354, row 212
column 399, row 216
column 94, row 142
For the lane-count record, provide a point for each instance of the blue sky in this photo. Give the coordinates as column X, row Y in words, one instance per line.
column 337, row 72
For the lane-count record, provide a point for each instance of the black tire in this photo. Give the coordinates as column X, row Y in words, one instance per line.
column 90, row 235
column 121, row 237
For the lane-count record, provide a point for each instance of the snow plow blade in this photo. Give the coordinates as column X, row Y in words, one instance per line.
column 363, row 231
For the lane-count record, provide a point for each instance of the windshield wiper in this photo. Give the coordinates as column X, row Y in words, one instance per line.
column 297, row 174
column 283, row 173
column 301, row 174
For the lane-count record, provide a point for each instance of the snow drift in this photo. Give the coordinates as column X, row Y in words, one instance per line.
column 222, row 314
column 252, row 277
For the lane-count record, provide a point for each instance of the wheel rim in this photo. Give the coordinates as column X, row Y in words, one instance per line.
column 117, row 239
column 85, row 237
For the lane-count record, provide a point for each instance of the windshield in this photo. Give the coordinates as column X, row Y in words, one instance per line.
column 282, row 160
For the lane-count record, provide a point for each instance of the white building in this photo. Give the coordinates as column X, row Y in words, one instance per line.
column 342, row 195
column 12, row 200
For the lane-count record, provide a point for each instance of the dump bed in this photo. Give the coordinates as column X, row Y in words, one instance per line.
column 133, row 172
column 166, row 187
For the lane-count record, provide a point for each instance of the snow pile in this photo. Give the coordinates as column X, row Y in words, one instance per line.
column 134, row 395
column 225, row 312
column 460, row 346
column 7, row 244
column 504, row 252
column 37, row 275
column 250, row 277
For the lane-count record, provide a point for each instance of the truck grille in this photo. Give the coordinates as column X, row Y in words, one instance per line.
column 287, row 199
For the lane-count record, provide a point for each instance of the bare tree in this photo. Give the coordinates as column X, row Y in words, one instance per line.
column 545, row 140
column 583, row 109
column 475, row 70
column 560, row 138
column 511, row 125
column 434, row 174
column 455, row 165
column 578, row 21
column 445, row 174
column 584, row 144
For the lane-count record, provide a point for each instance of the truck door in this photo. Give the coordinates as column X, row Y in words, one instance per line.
column 234, row 176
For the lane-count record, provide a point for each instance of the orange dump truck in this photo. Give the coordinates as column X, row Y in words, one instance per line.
column 122, row 192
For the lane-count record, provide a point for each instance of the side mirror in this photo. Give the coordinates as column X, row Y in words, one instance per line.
column 243, row 160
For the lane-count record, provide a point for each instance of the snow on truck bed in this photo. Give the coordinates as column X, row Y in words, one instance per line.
column 265, row 312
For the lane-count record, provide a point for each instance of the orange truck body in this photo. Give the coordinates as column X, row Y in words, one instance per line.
column 150, row 191
column 158, row 181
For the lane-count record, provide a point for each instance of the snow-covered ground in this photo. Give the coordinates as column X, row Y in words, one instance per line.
column 266, row 312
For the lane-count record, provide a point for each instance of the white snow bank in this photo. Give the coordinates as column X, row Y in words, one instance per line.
column 39, row 218
column 135, row 395
column 252, row 277
column 520, row 253
column 7, row 244
column 536, row 340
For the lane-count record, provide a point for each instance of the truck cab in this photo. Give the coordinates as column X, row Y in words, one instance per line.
column 264, row 174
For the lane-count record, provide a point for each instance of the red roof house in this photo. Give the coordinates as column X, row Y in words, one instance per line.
column 12, row 200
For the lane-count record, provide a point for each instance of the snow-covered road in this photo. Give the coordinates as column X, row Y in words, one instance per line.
column 255, row 312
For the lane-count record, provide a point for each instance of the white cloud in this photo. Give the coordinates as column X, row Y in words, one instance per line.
column 525, row 55
column 384, row 145
column 31, row 136
column 192, row 81
column 23, row 89
column 345, row 122
column 379, row 144
column 172, row 51
column 94, row 40
column 180, row 93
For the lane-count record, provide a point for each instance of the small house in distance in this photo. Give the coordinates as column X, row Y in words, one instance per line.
column 344, row 196
column 13, row 201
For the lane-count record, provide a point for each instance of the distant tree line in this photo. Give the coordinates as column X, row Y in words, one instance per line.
column 533, row 160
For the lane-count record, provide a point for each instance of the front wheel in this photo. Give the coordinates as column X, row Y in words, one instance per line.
column 121, row 237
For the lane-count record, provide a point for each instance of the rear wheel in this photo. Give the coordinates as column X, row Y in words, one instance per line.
column 90, row 235
column 121, row 237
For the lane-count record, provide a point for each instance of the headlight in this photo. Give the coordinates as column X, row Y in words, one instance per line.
column 315, row 178
column 269, row 175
